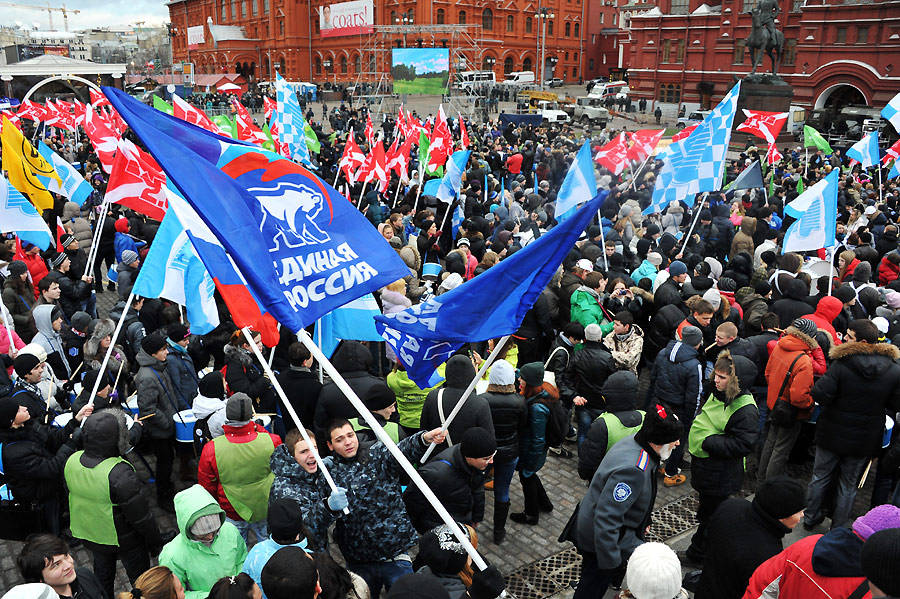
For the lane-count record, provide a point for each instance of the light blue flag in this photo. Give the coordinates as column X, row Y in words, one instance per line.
column 865, row 151
column 74, row 185
column 426, row 335
column 816, row 212
column 19, row 216
column 173, row 270
column 895, row 172
column 431, row 187
column 891, row 112
column 452, row 179
column 291, row 124
column 459, row 215
column 695, row 164
column 355, row 321
column 579, row 186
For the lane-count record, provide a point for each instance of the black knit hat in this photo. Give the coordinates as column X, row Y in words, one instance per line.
column 805, row 326
column 780, row 496
column 440, row 550
column 153, row 342
column 418, row 586
column 285, row 519
column 879, row 558
column 661, row 426
column 177, row 332
column 8, row 411
column 66, row 240
column 25, row 363
column 378, row 397
column 845, row 293
column 17, row 268
column 478, row 442
column 90, row 378
column 212, row 385
column 532, row 373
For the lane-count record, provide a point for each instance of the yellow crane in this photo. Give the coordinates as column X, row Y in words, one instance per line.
column 65, row 11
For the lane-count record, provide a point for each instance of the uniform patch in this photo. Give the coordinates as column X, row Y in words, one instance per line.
column 621, row 492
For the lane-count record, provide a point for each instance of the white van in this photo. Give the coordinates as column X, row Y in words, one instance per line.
column 796, row 120
column 519, row 78
column 467, row 79
column 612, row 89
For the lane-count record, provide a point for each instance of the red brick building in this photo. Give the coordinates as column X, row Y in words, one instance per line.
column 836, row 52
column 603, row 49
column 254, row 37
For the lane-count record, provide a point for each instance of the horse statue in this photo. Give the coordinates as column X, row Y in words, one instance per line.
column 764, row 37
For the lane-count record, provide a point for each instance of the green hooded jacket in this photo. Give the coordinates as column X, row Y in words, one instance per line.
column 410, row 398
column 586, row 309
column 196, row 565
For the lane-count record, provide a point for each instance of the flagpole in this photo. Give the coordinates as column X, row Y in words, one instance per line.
column 272, row 352
column 361, row 194
column 7, row 323
column 396, row 193
column 420, row 186
column 634, row 179
column 602, row 240
column 694, row 222
column 880, row 197
column 446, row 214
column 319, row 335
column 414, row 476
column 101, row 221
column 290, row 409
column 805, row 166
column 109, row 349
column 459, row 404
column 336, row 175
column 829, row 254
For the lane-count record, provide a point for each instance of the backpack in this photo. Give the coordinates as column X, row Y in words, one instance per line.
column 557, row 424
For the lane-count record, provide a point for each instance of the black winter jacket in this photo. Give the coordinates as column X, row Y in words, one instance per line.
column 593, row 450
column 72, row 293
column 353, row 360
column 459, row 487
column 33, row 459
column 589, row 369
column 793, row 305
column 302, row 388
column 669, row 294
column 677, row 377
column 740, row 537
column 862, row 381
column 510, row 417
column 662, row 329
column 558, row 362
column 244, row 375
column 475, row 412
column 132, row 516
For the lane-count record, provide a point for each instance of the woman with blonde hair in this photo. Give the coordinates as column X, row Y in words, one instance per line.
column 156, row 583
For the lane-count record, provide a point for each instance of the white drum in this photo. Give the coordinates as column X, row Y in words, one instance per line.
column 62, row 420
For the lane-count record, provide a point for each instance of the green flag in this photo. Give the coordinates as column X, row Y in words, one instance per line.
column 772, row 185
column 162, row 105
column 312, row 142
column 800, row 185
column 424, row 143
column 811, row 137
column 226, row 124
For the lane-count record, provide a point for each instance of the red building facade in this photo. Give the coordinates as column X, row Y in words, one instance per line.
column 835, row 52
column 257, row 37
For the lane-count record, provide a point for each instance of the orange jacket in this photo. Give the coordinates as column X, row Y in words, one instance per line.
column 797, row 391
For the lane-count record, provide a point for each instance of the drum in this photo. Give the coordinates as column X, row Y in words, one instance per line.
column 431, row 269
column 265, row 420
column 131, row 405
column 184, row 426
column 62, row 420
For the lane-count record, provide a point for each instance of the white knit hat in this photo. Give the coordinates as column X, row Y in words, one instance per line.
column 502, row 373
column 653, row 572
column 713, row 297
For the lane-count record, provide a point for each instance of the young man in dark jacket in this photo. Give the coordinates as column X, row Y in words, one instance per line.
column 619, row 421
column 861, row 384
column 457, row 477
column 744, row 534
column 589, row 368
column 300, row 383
column 561, row 352
column 46, row 558
column 108, row 509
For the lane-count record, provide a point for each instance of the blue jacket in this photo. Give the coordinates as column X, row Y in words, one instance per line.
column 259, row 555
column 677, row 376
column 644, row 271
column 533, row 442
column 122, row 242
column 183, row 374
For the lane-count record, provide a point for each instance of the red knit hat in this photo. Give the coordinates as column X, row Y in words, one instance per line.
column 122, row 225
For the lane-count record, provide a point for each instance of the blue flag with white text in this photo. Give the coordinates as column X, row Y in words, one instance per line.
column 74, row 186
column 816, row 212
column 425, row 335
column 580, row 184
column 19, row 216
column 302, row 249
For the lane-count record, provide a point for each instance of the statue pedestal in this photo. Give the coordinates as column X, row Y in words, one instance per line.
column 762, row 92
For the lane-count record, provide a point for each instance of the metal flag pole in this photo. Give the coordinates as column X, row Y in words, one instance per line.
column 7, row 323
column 109, row 350
column 602, row 240
column 290, row 410
column 829, row 255
column 419, row 187
column 639, row 171
column 361, row 194
column 446, row 214
column 459, row 404
column 396, row 193
column 382, row 436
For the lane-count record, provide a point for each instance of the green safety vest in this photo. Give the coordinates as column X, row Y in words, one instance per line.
column 615, row 430
column 245, row 474
column 90, row 504
column 712, row 420
column 391, row 428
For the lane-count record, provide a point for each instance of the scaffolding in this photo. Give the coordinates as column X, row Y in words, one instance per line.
column 374, row 84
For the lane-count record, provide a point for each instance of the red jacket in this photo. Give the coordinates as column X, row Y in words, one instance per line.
column 827, row 310
column 37, row 268
column 790, row 575
column 785, row 351
column 208, row 472
column 887, row 271
column 514, row 164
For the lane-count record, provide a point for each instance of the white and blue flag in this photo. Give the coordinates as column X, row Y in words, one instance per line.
column 816, row 212
column 291, row 124
column 73, row 186
column 865, row 151
column 450, row 184
column 891, row 112
column 355, row 320
column 173, row 270
column 19, row 216
column 695, row 164
column 579, row 186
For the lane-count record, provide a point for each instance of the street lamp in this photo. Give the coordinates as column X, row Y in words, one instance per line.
column 490, row 61
column 406, row 19
column 543, row 16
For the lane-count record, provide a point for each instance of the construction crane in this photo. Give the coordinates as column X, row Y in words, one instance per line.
column 65, row 11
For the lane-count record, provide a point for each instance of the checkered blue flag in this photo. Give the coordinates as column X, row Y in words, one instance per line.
column 695, row 164
column 291, row 124
column 891, row 112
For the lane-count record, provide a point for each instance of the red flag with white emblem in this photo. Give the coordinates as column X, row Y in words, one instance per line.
column 104, row 139
column 614, row 155
column 643, row 142
column 766, row 125
column 137, row 182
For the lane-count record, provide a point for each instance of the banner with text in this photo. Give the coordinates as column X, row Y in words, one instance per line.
column 347, row 18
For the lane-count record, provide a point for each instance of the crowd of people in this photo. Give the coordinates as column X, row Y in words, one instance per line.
column 675, row 343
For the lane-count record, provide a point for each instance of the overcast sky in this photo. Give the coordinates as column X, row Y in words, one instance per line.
column 94, row 13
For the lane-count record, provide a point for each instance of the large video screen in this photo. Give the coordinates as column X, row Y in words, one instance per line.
column 422, row 71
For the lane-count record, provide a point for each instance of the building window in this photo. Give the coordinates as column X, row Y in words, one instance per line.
column 234, row 13
column 669, row 93
column 790, row 52
column 510, row 23
column 462, row 17
column 343, row 65
column 750, row 5
column 224, row 9
column 487, row 20
column 591, row 64
column 549, row 27
column 440, row 16
column 568, row 30
column 602, row 18
column 266, row 6
column 281, row 26
column 577, row 29
column 666, row 50
column 527, row 24
column 679, row 53
column 526, row 64
column 357, row 64
column 567, row 56
column 576, row 56
column 243, row 9
column 862, row 35
column 593, row 39
column 318, row 64
column 840, row 35
column 797, row 5
column 574, row 72
column 507, row 65
column 254, row 7
column 738, row 57
column 679, row 7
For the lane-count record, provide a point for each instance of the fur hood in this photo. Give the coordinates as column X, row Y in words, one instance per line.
column 638, row 292
column 232, row 352
column 742, row 374
column 809, row 341
column 858, row 348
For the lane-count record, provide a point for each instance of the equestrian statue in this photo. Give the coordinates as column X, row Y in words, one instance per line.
column 764, row 37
